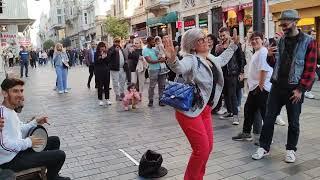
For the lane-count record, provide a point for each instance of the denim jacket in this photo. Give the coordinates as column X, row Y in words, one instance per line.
column 58, row 58
column 298, row 62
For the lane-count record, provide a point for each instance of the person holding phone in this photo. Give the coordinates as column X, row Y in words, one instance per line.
column 15, row 147
column 102, row 73
column 294, row 61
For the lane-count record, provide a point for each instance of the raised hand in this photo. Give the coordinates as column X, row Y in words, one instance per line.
column 42, row 120
column 169, row 49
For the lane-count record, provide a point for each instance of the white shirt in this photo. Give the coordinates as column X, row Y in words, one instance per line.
column 259, row 63
column 13, row 135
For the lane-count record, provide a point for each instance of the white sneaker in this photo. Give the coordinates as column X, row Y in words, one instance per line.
column 66, row 91
column 101, row 103
column 259, row 154
column 280, row 121
column 309, row 95
column 222, row 111
column 290, row 156
column 109, row 102
column 236, row 120
column 60, row 92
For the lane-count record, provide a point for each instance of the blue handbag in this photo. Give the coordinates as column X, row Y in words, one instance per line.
column 178, row 95
column 182, row 96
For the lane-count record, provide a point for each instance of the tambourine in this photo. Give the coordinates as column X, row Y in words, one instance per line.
column 39, row 132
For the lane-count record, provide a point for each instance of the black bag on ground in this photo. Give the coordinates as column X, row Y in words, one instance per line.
column 150, row 165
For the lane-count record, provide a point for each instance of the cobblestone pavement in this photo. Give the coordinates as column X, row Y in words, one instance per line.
column 92, row 136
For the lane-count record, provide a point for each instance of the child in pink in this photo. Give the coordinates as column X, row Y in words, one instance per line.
column 132, row 97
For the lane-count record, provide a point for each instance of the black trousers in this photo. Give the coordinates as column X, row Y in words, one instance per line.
column 24, row 65
column 52, row 158
column 256, row 103
column 91, row 73
column 102, row 81
column 230, row 95
column 279, row 97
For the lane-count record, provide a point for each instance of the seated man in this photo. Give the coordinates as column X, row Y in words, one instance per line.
column 15, row 152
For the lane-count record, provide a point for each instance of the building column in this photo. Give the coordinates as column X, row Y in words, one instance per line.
column 210, row 21
column 197, row 20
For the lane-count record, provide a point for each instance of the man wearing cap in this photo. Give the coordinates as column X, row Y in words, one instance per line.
column 294, row 61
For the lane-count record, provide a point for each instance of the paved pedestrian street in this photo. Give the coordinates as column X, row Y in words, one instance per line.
column 92, row 136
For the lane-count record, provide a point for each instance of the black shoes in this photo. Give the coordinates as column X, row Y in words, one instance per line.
column 150, row 103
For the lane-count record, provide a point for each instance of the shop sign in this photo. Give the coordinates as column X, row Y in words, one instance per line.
column 203, row 23
column 226, row 9
column 8, row 36
column 246, row 5
column 189, row 23
column 179, row 24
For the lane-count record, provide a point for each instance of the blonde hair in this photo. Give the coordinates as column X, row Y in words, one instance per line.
column 56, row 47
column 138, row 40
column 190, row 40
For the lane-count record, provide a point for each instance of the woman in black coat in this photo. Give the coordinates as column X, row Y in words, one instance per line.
column 102, row 73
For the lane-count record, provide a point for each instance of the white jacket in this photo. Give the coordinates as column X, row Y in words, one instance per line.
column 13, row 135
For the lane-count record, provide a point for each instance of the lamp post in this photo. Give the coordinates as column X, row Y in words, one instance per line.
column 257, row 16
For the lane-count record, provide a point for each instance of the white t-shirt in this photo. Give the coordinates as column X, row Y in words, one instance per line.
column 259, row 63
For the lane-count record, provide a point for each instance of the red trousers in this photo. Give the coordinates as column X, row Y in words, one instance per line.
column 199, row 132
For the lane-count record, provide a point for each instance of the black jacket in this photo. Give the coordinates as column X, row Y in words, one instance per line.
column 236, row 65
column 114, row 59
column 133, row 59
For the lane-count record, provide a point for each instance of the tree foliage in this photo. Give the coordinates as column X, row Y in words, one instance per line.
column 48, row 44
column 116, row 27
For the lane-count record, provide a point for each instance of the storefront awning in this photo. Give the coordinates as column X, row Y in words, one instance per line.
column 306, row 22
column 168, row 18
column 293, row 4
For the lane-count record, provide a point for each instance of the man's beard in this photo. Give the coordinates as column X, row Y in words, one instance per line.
column 18, row 109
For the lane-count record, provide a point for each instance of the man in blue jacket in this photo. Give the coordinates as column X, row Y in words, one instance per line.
column 24, row 61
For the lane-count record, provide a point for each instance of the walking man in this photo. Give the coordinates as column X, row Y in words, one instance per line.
column 293, row 74
column 24, row 61
column 89, row 58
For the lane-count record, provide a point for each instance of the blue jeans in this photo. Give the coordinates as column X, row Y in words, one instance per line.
column 62, row 74
column 24, row 64
column 279, row 97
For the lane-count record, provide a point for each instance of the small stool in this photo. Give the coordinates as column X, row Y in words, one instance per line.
column 32, row 174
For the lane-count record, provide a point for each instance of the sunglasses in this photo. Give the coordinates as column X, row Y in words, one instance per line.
column 285, row 24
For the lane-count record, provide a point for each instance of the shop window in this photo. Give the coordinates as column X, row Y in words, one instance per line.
column 85, row 18
column 59, row 19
